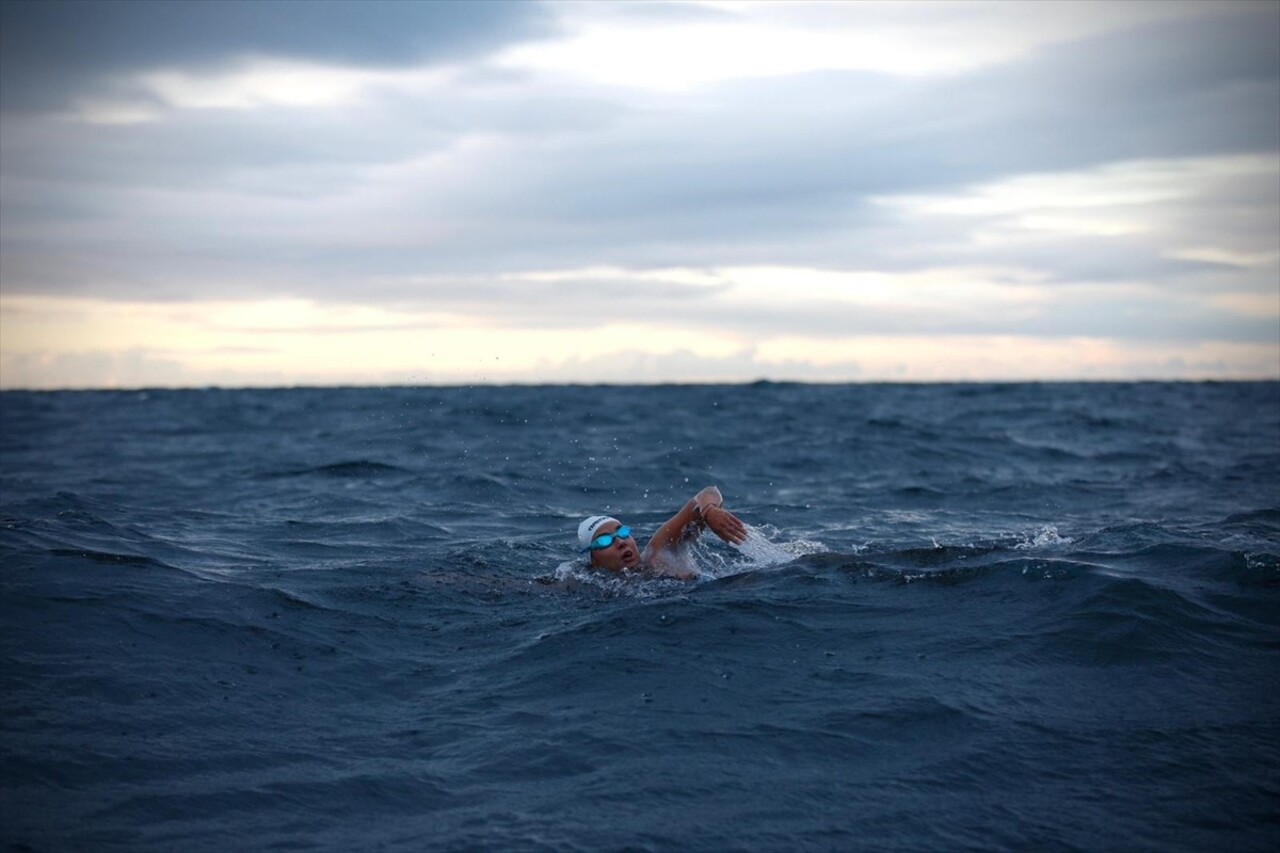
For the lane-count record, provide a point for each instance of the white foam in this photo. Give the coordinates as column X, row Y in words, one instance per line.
column 1045, row 537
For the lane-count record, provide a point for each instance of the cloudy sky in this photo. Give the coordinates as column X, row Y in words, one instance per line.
column 280, row 193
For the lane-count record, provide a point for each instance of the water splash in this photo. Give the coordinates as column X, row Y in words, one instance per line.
column 762, row 553
column 759, row 551
column 1045, row 537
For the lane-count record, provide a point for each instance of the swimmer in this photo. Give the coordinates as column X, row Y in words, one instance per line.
column 612, row 547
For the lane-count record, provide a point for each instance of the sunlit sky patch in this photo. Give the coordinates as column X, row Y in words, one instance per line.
column 279, row 193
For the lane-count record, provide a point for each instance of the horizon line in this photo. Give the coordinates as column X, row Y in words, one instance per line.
column 340, row 386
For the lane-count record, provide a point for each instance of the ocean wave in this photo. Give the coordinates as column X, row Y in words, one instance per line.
column 355, row 468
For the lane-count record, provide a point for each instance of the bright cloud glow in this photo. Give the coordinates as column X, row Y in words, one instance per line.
column 47, row 340
column 952, row 358
column 935, row 289
column 753, row 39
column 683, row 275
column 260, row 83
column 698, row 54
column 1095, row 201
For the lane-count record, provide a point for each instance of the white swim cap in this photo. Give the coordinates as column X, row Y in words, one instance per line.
column 587, row 529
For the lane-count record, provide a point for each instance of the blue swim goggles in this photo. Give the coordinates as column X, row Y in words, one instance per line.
column 604, row 540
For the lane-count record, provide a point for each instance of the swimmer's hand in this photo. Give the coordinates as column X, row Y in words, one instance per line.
column 725, row 524
column 711, row 511
column 707, row 498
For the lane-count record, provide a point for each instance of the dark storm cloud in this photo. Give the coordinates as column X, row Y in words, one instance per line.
column 53, row 49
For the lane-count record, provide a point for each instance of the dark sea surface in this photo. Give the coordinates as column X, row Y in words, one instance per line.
column 969, row 617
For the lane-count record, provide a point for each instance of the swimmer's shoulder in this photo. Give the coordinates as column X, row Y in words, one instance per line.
column 663, row 571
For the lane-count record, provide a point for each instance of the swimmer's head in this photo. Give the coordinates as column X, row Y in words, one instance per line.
column 587, row 529
column 619, row 553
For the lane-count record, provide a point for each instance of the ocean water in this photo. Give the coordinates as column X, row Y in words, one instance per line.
column 969, row 617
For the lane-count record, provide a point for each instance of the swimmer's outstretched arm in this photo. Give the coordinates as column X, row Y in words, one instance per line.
column 706, row 508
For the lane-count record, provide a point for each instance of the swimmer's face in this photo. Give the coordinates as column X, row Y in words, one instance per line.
column 621, row 554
